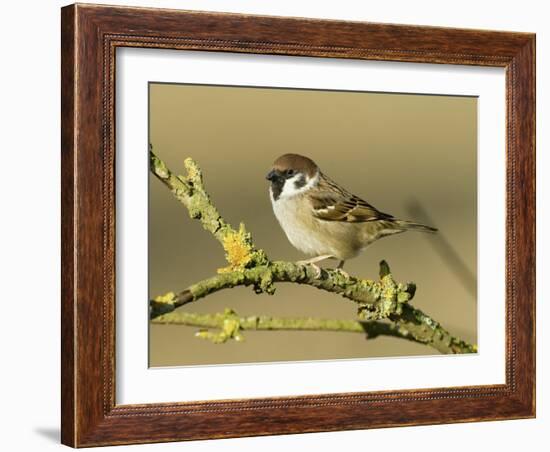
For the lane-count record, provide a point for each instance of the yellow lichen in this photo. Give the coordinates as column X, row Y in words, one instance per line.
column 389, row 288
column 166, row 298
column 238, row 250
column 193, row 171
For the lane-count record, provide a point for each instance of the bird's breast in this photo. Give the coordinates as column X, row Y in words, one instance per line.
column 295, row 218
column 310, row 235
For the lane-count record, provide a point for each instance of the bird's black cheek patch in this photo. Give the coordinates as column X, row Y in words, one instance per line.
column 300, row 182
column 277, row 188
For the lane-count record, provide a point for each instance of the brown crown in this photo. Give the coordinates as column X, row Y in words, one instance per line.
column 296, row 162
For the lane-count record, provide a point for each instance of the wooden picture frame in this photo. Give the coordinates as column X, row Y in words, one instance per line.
column 90, row 36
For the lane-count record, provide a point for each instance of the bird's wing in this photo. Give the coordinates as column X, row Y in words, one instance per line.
column 333, row 203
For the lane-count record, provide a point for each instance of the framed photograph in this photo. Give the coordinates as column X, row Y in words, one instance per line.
column 226, row 183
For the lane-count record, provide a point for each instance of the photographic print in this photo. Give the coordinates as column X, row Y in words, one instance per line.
column 299, row 224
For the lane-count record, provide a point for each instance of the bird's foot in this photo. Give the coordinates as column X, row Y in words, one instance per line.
column 313, row 260
column 340, row 269
column 307, row 263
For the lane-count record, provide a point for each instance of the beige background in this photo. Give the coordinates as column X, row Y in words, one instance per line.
column 413, row 156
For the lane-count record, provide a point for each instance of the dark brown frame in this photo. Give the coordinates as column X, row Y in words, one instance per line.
column 90, row 35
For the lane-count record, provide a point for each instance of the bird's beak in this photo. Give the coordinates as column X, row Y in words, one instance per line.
column 273, row 175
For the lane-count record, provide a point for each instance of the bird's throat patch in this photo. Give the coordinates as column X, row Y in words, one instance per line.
column 277, row 188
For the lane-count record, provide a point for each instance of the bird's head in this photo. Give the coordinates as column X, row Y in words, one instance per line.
column 291, row 175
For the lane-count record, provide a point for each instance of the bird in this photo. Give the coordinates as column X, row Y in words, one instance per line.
column 322, row 219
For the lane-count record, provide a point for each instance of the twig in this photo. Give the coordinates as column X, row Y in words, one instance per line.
column 229, row 324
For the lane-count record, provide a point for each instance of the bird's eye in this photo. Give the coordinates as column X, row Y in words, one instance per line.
column 290, row 172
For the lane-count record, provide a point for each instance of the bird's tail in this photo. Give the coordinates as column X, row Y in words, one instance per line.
column 412, row 226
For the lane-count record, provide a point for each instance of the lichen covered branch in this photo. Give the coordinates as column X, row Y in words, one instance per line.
column 229, row 325
column 375, row 299
column 249, row 266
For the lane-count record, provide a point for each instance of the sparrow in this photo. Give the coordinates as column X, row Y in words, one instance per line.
column 321, row 218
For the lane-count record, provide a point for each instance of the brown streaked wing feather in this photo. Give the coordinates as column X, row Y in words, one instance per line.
column 333, row 203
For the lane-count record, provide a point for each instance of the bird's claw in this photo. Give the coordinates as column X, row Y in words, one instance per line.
column 316, row 268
